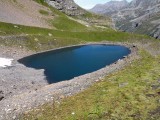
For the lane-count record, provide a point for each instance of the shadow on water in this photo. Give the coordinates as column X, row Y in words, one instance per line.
column 67, row 63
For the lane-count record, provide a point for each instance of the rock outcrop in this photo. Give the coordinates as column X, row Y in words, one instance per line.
column 67, row 6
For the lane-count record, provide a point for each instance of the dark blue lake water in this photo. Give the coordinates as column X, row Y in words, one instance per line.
column 67, row 63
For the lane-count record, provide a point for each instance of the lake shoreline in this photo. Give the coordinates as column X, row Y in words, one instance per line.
column 38, row 92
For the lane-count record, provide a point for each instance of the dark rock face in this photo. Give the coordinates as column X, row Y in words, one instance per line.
column 67, row 6
column 138, row 16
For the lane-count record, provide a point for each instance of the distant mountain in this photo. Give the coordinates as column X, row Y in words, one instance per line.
column 109, row 7
column 139, row 16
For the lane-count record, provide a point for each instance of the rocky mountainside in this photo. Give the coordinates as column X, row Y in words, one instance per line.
column 139, row 16
column 70, row 8
column 109, row 7
column 67, row 6
column 37, row 13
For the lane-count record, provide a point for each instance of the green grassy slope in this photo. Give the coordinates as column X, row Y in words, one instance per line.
column 63, row 22
column 66, row 31
column 139, row 99
column 43, row 39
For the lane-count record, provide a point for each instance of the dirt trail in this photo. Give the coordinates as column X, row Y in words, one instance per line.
column 24, row 12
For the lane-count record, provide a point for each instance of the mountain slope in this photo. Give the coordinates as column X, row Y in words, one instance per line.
column 70, row 8
column 109, row 7
column 25, row 12
column 139, row 16
column 39, row 14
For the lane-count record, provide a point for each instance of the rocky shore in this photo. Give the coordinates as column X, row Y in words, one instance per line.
column 22, row 88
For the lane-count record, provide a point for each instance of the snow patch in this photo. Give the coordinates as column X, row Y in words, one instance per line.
column 4, row 62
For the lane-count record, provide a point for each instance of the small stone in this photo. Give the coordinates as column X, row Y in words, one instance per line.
column 123, row 84
column 49, row 34
column 154, row 87
column 14, row 117
column 36, row 39
column 1, row 97
column 73, row 113
column 124, row 56
column 150, row 95
column 15, row 26
column 62, row 96
column 1, row 92
column 33, row 82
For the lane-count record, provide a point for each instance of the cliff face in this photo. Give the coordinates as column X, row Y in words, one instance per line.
column 67, row 6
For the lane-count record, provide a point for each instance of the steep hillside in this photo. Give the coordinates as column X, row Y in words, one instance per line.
column 25, row 12
column 39, row 14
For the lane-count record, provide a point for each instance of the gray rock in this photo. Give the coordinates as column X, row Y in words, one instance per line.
column 1, row 97
column 155, row 87
column 123, row 84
